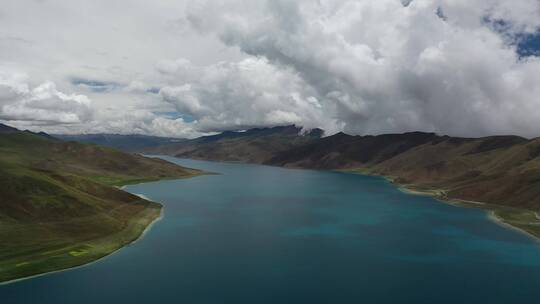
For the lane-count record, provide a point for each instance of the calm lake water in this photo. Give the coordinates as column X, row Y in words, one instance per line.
column 257, row 234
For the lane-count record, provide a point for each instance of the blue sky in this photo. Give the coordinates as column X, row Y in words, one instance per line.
column 529, row 45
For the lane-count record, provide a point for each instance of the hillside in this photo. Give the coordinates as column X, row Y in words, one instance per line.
column 59, row 207
column 129, row 143
column 254, row 145
column 502, row 172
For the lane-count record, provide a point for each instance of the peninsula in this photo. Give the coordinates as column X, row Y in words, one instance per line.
column 60, row 202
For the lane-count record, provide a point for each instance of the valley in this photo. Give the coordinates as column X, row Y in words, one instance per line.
column 500, row 172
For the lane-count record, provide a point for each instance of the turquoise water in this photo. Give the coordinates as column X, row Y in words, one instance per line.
column 257, row 234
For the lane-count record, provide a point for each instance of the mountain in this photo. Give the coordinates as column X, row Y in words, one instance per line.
column 254, row 145
column 129, row 143
column 4, row 129
column 7, row 129
column 501, row 172
column 60, row 206
column 342, row 151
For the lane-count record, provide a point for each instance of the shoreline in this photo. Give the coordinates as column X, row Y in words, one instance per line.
column 437, row 194
column 143, row 233
column 490, row 209
column 100, row 259
column 440, row 195
column 499, row 221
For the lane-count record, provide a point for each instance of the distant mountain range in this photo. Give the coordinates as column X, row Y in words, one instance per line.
column 497, row 170
column 4, row 129
column 59, row 202
column 254, row 145
column 129, row 143
column 7, row 129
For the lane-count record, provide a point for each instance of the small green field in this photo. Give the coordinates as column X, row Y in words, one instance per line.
column 38, row 249
column 525, row 220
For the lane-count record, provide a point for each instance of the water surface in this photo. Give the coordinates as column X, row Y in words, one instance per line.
column 257, row 234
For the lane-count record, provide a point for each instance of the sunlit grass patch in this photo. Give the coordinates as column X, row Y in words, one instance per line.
column 77, row 253
column 22, row 264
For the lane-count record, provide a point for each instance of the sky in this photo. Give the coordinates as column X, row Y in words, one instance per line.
column 185, row 68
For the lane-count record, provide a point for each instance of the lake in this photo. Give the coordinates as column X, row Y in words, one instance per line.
column 258, row 234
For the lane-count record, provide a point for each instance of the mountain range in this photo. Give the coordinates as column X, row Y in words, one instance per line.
column 500, row 173
column 129, row 143
column 254, row 145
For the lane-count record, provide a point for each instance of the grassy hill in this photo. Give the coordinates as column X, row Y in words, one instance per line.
column 58, row 204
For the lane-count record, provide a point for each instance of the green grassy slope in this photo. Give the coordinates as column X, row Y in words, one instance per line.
column 58, row 204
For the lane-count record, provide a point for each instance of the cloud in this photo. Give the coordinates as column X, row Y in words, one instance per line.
column 138, row 122
column 43, row 104
column 44, row 108
column 237, row 95
column 382, row 66
column 459, row 67
column 50, row 41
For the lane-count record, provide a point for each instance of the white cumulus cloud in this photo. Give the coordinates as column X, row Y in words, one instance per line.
column 43, row 104
column 189, row 67
column 236, row 95
column 382, row 66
